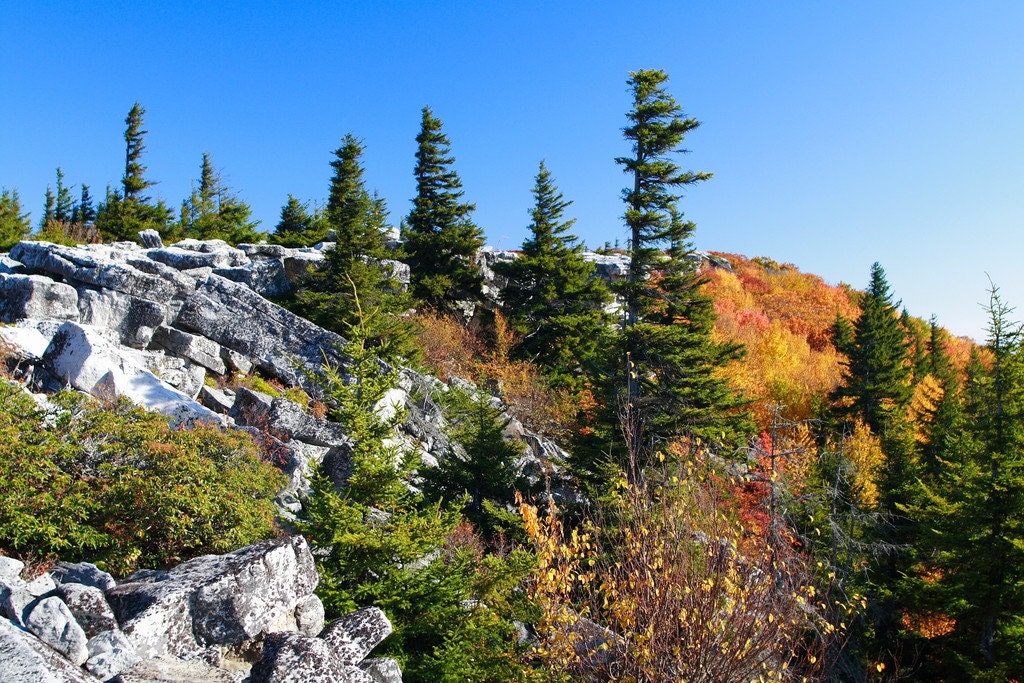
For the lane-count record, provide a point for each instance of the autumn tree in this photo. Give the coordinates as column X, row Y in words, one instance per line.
column 212, row 211
column 553, row 298
column 441, row 239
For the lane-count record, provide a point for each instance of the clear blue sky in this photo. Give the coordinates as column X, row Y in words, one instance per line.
column 839, row 133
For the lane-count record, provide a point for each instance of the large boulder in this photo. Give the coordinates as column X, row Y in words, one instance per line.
column 84, row 573
column 133, row 318
column 238, row 318
column 86, row 360
column 167, row 669
column 107, row 267
column 110, row 653
column 354, row 635
column 295, row 658
column 26, row 659
column 215, row 599
column 195, row 348
column 52, row 622
column 89, row 608
column 36, row 296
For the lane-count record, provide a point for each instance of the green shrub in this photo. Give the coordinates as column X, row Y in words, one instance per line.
column 118, row 486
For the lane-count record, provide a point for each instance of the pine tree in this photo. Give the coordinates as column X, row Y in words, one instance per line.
column 441, row 239
column 49, row 208
column 14, row 225
column 86, row 211
column 214, row 212
column 353, row 275
column 552, row 297
column 63, row 203
column 121, row 216
column 298, row 227
column 976, row 514
column 669, row 363
column 876, row 383
column 134, row 181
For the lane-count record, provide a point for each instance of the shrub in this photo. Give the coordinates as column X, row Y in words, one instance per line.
column 118, row 486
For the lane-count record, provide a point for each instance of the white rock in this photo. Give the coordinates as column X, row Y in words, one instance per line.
column 84, row 358
column 110, row 653
column 52, row 622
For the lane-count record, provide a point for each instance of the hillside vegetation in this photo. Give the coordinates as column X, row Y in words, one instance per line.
column 759, row 476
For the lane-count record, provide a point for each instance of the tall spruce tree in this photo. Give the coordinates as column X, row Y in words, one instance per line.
column 876, row 382
column 553, row 298
column 14, row 225
column 86, row 211
column 212, row 211
column 668, row 376
column 63, row 203
column 441, row 239
column 354, row 283
column 975, row 515
column 123, row 214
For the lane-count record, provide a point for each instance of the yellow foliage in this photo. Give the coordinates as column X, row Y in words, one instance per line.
column 668, row 590
column 927, row 395
column 863, row 449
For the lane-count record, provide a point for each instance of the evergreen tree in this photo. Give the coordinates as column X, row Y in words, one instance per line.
column 876, row 383
column 214, row 212
column 49, row 208
column 668, row 372
column 298, row 227
column 63, row 204
column 378, row 544
column 553, row 298
column 976, row 515
column 481, row 468
column 14, row 225
column 86, row 211
column 441, row 239
column 134, row 181
column 122, row 215
column 354, row 283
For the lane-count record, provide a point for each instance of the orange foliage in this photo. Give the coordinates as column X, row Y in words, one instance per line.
column 783, row 317
column 450, row 349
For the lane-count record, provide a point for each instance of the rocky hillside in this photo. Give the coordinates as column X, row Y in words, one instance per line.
column 173, row 329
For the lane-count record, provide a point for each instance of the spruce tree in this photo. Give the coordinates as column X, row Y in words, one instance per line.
column 378, row 543
column 297, row 226
column 86, row 211
column 552, row 297
column 481, row 468
column 63, row 203
column 441, row 239
column 49, row 208
column 14, row 225
column 876, row 382
column 668, row 377
column 134, row 182
column 354, row 283
column 214, row 212
column 122, row 215
column 975, row 514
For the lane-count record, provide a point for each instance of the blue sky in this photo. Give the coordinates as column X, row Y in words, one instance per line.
column 839, row 133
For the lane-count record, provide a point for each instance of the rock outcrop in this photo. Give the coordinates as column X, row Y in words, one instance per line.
column 169, row 326
column 250, row 615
